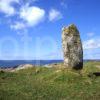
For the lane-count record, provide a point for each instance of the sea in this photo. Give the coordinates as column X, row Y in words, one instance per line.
column 15, row 63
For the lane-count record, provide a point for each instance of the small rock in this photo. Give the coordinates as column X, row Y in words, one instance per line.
column 25, row 66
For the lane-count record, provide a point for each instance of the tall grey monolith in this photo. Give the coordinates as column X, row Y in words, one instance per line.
column 72, row 47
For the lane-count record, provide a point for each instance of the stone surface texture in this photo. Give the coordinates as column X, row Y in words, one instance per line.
column 72, row 47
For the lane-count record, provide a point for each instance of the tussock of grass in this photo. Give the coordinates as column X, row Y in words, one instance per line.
column 40, row 83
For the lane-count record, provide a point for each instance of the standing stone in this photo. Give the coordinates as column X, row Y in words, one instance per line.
column 72, row 47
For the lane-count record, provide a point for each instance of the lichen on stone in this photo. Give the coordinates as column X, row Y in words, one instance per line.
column 72, row 47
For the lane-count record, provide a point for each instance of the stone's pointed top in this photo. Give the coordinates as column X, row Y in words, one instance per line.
column 72, row 26
column 71, row 29
column 69, row 26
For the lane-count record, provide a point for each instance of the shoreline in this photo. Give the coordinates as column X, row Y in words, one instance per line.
column 26, row 66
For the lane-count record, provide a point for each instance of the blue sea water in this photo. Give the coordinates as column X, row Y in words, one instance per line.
column 15, row 63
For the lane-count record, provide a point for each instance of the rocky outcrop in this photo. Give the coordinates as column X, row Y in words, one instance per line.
column 17, row 68
column 24, row 66
column 72, row 47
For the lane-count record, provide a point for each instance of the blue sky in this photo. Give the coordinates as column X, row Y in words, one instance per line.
column 31, row 29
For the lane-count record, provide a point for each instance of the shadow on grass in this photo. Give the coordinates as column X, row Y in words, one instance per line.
column 96, row 74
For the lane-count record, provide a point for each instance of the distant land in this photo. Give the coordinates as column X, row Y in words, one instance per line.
column 15, row 63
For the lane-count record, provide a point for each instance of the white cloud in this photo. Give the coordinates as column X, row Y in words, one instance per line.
column 90, row 34
column 32, row 15
column 54, row 15
column 29, row 16
column 64, row 3
column 18, row 26
column 91, row 44
column 92, row 54
column 92, row 48
column 7, row 8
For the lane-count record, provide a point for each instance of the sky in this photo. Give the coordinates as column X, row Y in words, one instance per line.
column 31, row 29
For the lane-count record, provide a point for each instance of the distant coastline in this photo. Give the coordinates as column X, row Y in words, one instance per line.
column 15, row 63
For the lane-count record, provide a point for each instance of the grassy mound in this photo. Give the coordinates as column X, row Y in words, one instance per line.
column 40, row 83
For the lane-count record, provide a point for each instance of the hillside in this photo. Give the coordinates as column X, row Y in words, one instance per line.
column 41, row 83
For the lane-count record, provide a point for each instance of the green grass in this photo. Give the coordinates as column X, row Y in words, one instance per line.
column 51, row 84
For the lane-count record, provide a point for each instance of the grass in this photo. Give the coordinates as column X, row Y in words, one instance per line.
column 51, row 84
